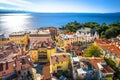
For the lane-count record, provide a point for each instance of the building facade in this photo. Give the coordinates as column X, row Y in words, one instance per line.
column 19, row 37
column 109, row 50
column 59, row 62
column 39, row 35
column 82, row 35
column 13, row 63
column 41, row 51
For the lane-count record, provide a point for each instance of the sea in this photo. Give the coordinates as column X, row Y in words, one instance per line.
column 14, row 22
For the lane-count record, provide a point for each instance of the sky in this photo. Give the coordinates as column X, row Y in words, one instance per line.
column 85, row 6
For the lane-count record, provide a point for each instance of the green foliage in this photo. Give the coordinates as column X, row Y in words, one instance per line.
column 73, row 26
column 79, row 78
column 92, row 51
column 109, row 31
column 69, row 64
column 113, row 65
column 109, row 79
column 104, row 30
column 53, row 38
column 112, row 32
column 110, row 62
column 91, row 25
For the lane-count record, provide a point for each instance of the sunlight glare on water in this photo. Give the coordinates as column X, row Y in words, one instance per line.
column 15, row 22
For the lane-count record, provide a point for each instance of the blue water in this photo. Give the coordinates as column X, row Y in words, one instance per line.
column 58, row 19
column 18, row 22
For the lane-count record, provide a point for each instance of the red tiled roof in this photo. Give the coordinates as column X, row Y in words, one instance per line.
column 102, row 41
column 9, row 49
column 46, row 71
column 111, row 48
column 59, row 57
column 45, row 44
column 107, row 69
column 95, row 61
column 106, row 44
column 15, row 64
column 7, row 71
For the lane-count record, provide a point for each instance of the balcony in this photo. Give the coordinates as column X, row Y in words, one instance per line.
column 59, row 67
column 42, row 53
column 43, row 60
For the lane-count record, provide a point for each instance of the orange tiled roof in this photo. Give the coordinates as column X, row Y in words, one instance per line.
column 111, row 48
column 46, row 71
column 107, row 69
column 7, row 67
column 102, row 41
column 59, row 57
column 95, row 61
column 45, row 44
column 9, row 49
column 106, row 44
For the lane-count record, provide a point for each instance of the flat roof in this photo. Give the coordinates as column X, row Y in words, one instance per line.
column 40, row 32
column 20, row 33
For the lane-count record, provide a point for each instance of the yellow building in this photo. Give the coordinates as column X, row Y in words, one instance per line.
column 109, row 50
column 65, row 39
column 39, row 35
column 41, row 51
column 82, row 35
column 19, row 37
column 59, row 62
column 4, row 41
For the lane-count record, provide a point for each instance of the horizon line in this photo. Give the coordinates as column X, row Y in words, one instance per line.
column 57, row 12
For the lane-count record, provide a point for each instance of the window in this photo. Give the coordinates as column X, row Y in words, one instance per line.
column 6, row 65
column 23, row 61
column 59, row 67
column 1, row 66
column 115, row 56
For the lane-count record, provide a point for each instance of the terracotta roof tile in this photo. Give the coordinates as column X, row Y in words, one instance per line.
column 59, row 57
column 107, row 69
column 15, row 64
column 46, row 71
column 95, row 61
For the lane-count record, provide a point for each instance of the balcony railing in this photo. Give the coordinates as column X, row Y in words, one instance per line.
column 43, row 60
column 42, row 53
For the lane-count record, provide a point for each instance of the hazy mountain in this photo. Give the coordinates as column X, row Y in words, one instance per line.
column 12, row 11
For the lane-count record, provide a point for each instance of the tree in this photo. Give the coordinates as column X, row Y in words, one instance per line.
column 91, row 24
column 117, row 24
column 105, row 30
column 112, row 32
column 92, row 51
column 112, row 64
column 53, row 38
column 73, row 26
